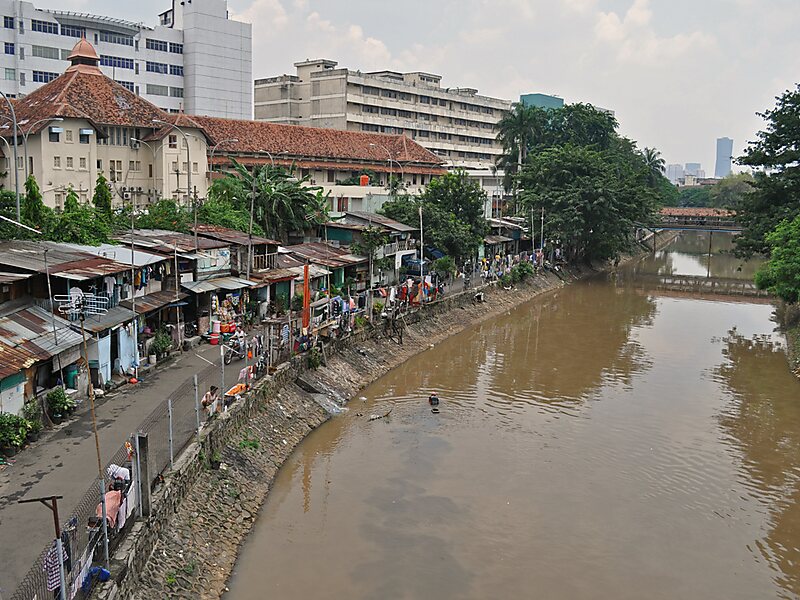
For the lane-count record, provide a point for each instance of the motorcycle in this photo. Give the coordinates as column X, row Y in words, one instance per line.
column 190, row 329
column 236, row 349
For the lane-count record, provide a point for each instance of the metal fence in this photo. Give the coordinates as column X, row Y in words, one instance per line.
column 170, row 428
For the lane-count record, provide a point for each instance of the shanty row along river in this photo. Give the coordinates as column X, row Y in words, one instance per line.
column 602, row 441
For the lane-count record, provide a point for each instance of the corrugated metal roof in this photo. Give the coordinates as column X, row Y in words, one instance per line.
column 273, row 276
column 324, row 254
column 496, row 239
column 150, row 302
column 120, row 254
column 233, row 236
column 382, row 220
column 62, row 260
column 115, row 316
column 31, row 328
column 12, row 277
column 314, row 271
column 218, row 283
column 13, row 360
column 165, row 242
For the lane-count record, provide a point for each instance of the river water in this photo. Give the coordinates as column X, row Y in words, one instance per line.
column 600, row 441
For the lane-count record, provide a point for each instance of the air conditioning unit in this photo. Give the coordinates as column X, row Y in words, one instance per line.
column 139, row 190
column 135, row 144
column 124, row 189
column 313, row 182
column 126, row 196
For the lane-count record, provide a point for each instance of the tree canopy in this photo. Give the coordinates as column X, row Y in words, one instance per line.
column 452, row 214
column 781, row 274
column 775, row 154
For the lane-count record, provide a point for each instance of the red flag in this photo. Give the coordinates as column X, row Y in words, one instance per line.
column 306, row 298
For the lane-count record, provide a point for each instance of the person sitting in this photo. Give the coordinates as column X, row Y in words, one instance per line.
column 433, row 399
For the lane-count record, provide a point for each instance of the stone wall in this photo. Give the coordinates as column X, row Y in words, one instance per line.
column 187, row 547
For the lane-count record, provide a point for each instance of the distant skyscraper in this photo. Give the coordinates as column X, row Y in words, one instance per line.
column 693, row 169
column 674, row 173
column 724, row 156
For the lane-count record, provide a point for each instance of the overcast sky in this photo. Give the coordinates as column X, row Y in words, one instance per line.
column 678, row 73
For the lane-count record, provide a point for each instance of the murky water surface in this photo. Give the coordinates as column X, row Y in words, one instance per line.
column 598, row 442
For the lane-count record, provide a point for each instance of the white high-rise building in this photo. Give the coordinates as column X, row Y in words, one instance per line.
column 196, row 59
column 675, row 172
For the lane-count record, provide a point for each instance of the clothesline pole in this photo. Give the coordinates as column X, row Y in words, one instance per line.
column 197, row 406
column 51, row 502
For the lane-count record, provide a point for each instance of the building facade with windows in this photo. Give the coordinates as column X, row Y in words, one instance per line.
column 196, row 60
column 83, row 123
column 456, row 124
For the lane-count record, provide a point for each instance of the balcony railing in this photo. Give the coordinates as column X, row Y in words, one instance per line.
column 261, row 262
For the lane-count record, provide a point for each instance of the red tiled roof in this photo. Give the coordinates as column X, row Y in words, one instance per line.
column 83, row 92
column 292, row 142
column 300, row 163
column 179, row 120
column 679, row 211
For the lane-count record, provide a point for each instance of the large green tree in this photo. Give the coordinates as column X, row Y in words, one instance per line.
column 781, row 274
column 33, row 210
column 592, row 199
column 775, row 156
column 166, row 214
column 280, row 200
column 102, row 198
column 79, row 223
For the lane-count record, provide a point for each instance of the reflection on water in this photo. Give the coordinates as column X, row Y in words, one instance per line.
column 597, row 442
column 689, row 255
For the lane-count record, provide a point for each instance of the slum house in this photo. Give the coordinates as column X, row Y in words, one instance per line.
column 504, row 238
column 347, row 269
column 151, row 299
column 73, row 272
column 204, row 268
column 37, row 348
column 401, row 242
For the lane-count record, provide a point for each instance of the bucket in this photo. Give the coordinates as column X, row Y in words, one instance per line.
column 215, row 326
column 225, row 328
column 214, row 339
column 232, row 327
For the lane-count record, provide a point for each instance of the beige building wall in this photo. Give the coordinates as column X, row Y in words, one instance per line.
column 456, row 124
column 137, row 172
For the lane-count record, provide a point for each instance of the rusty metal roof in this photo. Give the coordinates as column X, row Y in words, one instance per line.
column 113, row 317
column 166, row 242
column 30, row 328
column 324, row 254
column 273, row 276
column 62, row 260
column 375, row 219
column 12, row 277
column 154, row 301
column 496, row 239
column 232, row 236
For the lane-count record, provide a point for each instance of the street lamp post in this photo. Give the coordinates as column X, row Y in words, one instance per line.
column 389, row 154
column 16, row 167
column 153, row 151
column 25, row 135
column 188, row 171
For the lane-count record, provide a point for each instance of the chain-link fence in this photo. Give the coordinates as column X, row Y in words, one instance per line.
column 170, row 428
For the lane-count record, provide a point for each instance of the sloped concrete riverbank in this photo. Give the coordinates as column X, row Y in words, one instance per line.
column 188, row 547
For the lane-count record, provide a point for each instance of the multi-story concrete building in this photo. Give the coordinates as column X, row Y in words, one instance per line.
column 722, row 168
column 542, row 100
column 456, row 124
column 695, row 170
column 196, row 60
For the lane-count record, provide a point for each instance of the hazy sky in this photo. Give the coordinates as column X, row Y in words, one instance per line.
column 678, row 73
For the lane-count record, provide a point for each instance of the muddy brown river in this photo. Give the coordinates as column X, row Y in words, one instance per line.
column 601, row 441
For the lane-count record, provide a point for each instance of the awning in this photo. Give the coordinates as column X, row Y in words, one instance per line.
column 496, row 239
column 218, row 283
column 115, row 316
column 154, row 301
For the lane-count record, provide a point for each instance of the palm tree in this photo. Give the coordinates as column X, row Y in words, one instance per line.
column 516, row 132
column 656, row 165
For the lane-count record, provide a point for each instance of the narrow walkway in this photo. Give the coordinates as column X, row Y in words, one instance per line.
column 64, row 461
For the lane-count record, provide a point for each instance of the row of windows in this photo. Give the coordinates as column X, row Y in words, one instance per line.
column 164, row 68
column 374, row 91
column 163, row 90
column 69, row 163
column 163, row 46
column 116, row 38
column 128, row 85
column 406, row 114
column 55, row 136
column 116, row 61
column 44, row 26
column 118, row 136
column 41, row 77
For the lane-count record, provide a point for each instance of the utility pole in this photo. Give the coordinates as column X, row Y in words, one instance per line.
column 542, row 244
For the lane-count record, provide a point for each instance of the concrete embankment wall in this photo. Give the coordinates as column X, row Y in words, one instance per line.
column 187, row 548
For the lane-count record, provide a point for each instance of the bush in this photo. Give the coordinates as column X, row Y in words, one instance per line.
column 445, row 266
column 162, row 342
column 377, row 307
column 522, row 271
column 13, row 430
column 58, row 403
column 360, row 321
